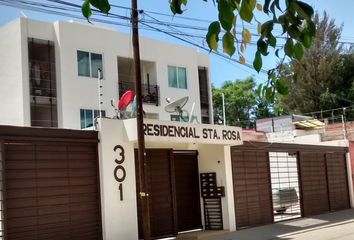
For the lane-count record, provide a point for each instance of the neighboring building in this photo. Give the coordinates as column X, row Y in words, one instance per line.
column 49, row 74
column 306, row 130
column 291, row 129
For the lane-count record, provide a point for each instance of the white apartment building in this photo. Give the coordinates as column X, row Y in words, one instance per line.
column 49, row 74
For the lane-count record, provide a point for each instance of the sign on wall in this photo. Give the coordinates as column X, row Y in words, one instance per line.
column 169, row 131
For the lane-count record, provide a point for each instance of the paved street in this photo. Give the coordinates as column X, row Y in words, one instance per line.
column 336, row 225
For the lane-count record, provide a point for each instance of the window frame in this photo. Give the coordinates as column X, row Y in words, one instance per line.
column 93, row 111
column 90, row 63
column 176, row 67
column 178, row 117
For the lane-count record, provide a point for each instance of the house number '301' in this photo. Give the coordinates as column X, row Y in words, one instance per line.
column 119, row 171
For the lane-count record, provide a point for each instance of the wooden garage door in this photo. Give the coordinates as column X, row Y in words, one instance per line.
column 337, row 181
column 52, row 191
column 187, row 191
column 161, row 195
column 252, row 188
column 313, row 178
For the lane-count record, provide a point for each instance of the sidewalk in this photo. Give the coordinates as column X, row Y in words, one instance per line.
column 302, row 228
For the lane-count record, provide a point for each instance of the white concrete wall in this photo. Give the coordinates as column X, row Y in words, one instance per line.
column 291, row 137
column 75, row 92
column 112, row 44
column 217, row 158
column 12, row 97
column 119, row 217
column 350, row 179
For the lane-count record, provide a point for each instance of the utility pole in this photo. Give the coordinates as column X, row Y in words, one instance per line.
column 140, row 121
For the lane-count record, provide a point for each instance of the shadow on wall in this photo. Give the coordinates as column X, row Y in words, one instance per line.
column 284, row 230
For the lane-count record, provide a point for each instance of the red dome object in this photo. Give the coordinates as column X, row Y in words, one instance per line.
column 125, row 99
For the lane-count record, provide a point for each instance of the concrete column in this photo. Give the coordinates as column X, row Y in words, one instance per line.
column 117, row 182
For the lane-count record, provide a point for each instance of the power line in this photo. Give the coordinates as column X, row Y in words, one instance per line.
column 180, row 32
column 4, row 2
column 77, row 8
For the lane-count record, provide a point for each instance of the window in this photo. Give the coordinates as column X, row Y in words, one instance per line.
column 177, row 77
column 178, row 118
column 88, row 64
column 87, row 116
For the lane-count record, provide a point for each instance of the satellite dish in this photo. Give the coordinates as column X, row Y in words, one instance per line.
column 133, row 107
column 177, row 105
column 126, row 99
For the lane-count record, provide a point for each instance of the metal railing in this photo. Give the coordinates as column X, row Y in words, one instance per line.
column 151, row 93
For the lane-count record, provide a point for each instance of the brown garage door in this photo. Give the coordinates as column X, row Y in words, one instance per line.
column 337, row 181
column 252, row 188
column 313, row 178
column 52, row 190
column 161, row 195
column 187, row 190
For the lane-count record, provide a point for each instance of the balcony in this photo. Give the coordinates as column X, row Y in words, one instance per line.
column 151, row 93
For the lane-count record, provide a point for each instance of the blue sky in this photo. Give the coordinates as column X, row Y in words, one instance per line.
column 221, row 69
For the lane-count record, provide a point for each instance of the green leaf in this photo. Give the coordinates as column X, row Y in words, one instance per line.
column 269, row 93
column 252, row 4
column 279, row 96
column 311, row 27
column 245, row 12
column 175, row 6
column 259, row 89
column 262, row 47
column 267, row 28
column 228, row 44
column 306, row 38
column 184, row 2
column 282, row 81
column 226, row 15
column 266, row 6
column 102, row 5
column 277, row 4
column 298, row 51
column 272, row 9
column 291, row 7
column 289, row 47
column 272, row 41
column 277, row 52
column 213, row 43
column 273, row 77
column 212, row 36
column 281, row 86
column 257, row 62
column 304, row 10
column 86, row 9
column 246, row 35
column 294, row 32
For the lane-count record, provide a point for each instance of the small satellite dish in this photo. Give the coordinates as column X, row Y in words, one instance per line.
column 133, row 107
column 126, row 99
column 177, row 105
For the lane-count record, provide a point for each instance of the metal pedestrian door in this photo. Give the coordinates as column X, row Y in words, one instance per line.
column 173, row 189
column 187, row 190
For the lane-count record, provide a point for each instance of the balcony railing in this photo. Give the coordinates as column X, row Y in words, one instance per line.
column 151, row 93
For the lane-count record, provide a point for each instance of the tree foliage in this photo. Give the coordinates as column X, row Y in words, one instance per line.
column 240, row 100
column 242, row 105
column 295, row 21
column 325, row 74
